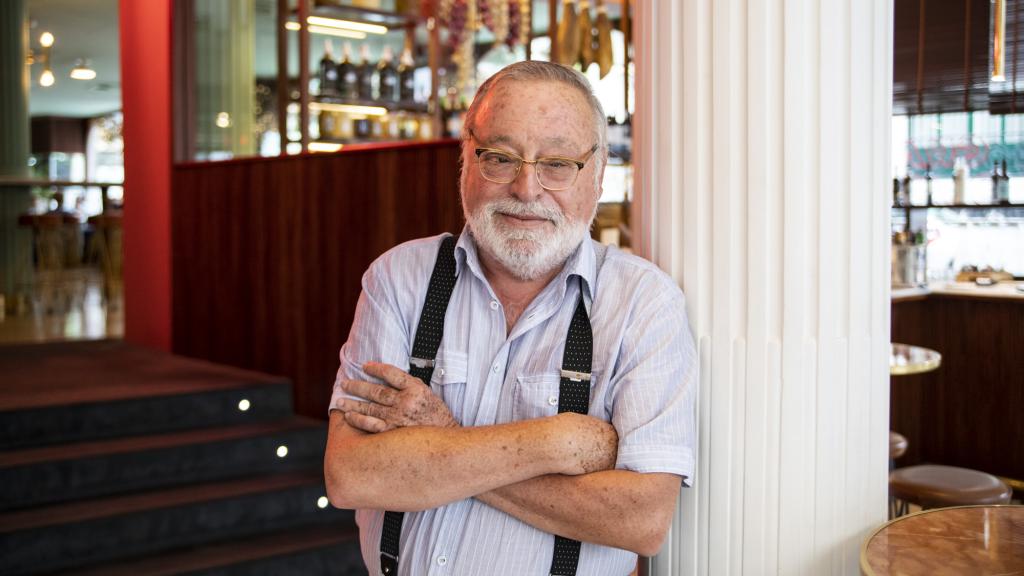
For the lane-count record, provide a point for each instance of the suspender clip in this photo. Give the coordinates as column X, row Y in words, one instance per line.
column 576, row 376
column 421, row 362
column 388, row 564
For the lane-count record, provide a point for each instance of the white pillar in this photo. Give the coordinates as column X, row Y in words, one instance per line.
column 763, row 168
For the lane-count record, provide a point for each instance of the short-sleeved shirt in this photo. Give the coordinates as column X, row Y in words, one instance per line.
column 643, row 382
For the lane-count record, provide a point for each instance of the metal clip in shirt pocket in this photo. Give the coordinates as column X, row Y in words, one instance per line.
column 448, row 381
column 536, row 395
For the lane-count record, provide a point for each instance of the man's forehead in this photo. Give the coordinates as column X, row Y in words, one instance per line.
column 517, row 140
column 533, row 97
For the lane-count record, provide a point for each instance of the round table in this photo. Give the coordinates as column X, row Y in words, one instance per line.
column 905, row 359
column 955, row 541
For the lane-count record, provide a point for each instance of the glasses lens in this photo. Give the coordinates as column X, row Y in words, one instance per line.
column 556, row 174
column 498, row 167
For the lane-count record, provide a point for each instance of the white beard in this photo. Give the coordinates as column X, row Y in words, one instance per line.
column 526, row 254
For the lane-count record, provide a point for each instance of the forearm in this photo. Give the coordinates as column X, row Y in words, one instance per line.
column 423, row 467
column 616, row 508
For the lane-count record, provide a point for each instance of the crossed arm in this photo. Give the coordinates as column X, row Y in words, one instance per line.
column 402, row 450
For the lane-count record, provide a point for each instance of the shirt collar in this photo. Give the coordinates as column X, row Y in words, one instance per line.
column 582, row 262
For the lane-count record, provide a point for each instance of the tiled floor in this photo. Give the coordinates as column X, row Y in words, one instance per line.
column 68, row 306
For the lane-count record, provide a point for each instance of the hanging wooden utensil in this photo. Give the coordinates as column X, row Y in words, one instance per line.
column 568, row 35
column 586, row 56
column 603, row 57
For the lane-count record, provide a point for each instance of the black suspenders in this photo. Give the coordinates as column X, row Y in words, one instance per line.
column 421, row 365
column 573, row 390
column 574, row 396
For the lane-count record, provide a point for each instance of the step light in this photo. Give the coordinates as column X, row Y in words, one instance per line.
column 322, row 502
column 244, row 404
column 282, row 451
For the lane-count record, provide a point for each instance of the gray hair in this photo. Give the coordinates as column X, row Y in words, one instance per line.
column 538, row 70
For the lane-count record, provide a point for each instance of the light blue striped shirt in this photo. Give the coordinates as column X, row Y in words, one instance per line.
column 643, row 382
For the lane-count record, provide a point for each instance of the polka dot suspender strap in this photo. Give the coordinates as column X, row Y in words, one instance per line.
column 421, row 365
column 574, row 396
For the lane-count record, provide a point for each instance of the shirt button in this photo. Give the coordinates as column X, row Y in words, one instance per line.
column 553, row 400
column 496, row 368
column 440, row 371
column 494, row 304
column 442, row 560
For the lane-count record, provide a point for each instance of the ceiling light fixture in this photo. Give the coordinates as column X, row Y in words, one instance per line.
column 46, row 79
column 81, row 71
column 46, row 39
column 999, row 41
column 347, row 25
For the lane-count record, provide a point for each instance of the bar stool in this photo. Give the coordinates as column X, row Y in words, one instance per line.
column 897, row 445
column 107, row 245
column 935, row 486
column 50, row 282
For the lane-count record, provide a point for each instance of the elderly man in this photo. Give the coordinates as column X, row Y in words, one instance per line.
column 524, row 389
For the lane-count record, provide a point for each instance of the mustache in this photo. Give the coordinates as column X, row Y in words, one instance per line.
column 510, row 207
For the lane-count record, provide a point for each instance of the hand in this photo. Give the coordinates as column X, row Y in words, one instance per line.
column 404, row 401
column 590, row 445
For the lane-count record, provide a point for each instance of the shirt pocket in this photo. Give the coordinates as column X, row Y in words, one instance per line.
column 536, row 396
column 449, row 379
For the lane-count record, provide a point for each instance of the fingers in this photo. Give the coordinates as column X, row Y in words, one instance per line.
column 365, row 423
column 393, row 375
column 376, row 392
column 365, row 408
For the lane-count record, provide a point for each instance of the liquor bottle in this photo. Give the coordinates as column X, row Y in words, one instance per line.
column 1004, row 186
column 997, row 182
column 348, row 83
column 905, row 189
column 928, row 184
column 328, row 72
column 961, row 172
column 364, row 74
column 406, row 73
column 896, row 201
column 387, row 77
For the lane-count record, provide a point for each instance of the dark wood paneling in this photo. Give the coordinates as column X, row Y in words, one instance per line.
column 268, row 254
column 947, row 68
column 58, row 134
column 968, row 412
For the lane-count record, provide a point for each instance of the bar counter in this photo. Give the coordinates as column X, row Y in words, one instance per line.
column 967, row 412
column 1002, row 290
column 268, row 253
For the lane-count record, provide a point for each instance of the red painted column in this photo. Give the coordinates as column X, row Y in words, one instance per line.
column 146, row 100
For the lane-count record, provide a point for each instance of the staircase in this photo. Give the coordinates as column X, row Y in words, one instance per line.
column 118, row 460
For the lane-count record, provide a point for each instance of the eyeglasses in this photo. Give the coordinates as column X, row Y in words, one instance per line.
column 553, row 172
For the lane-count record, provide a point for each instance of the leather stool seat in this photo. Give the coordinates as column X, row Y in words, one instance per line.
column 897, row 445
column 933, row 486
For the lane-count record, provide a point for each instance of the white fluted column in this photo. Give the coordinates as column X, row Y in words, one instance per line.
column 762, row 147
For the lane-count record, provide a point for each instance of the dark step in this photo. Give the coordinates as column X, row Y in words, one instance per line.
column 39, row 476
column 81, row 533
column 77, row 391
column 309, row 551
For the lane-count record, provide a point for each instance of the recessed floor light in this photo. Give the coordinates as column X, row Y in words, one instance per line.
column 244, row 404
column 282, row 451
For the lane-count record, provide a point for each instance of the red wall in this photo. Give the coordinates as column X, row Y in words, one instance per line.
column 146, row 100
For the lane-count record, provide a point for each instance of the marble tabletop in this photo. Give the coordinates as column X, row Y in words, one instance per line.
column 975, row 540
